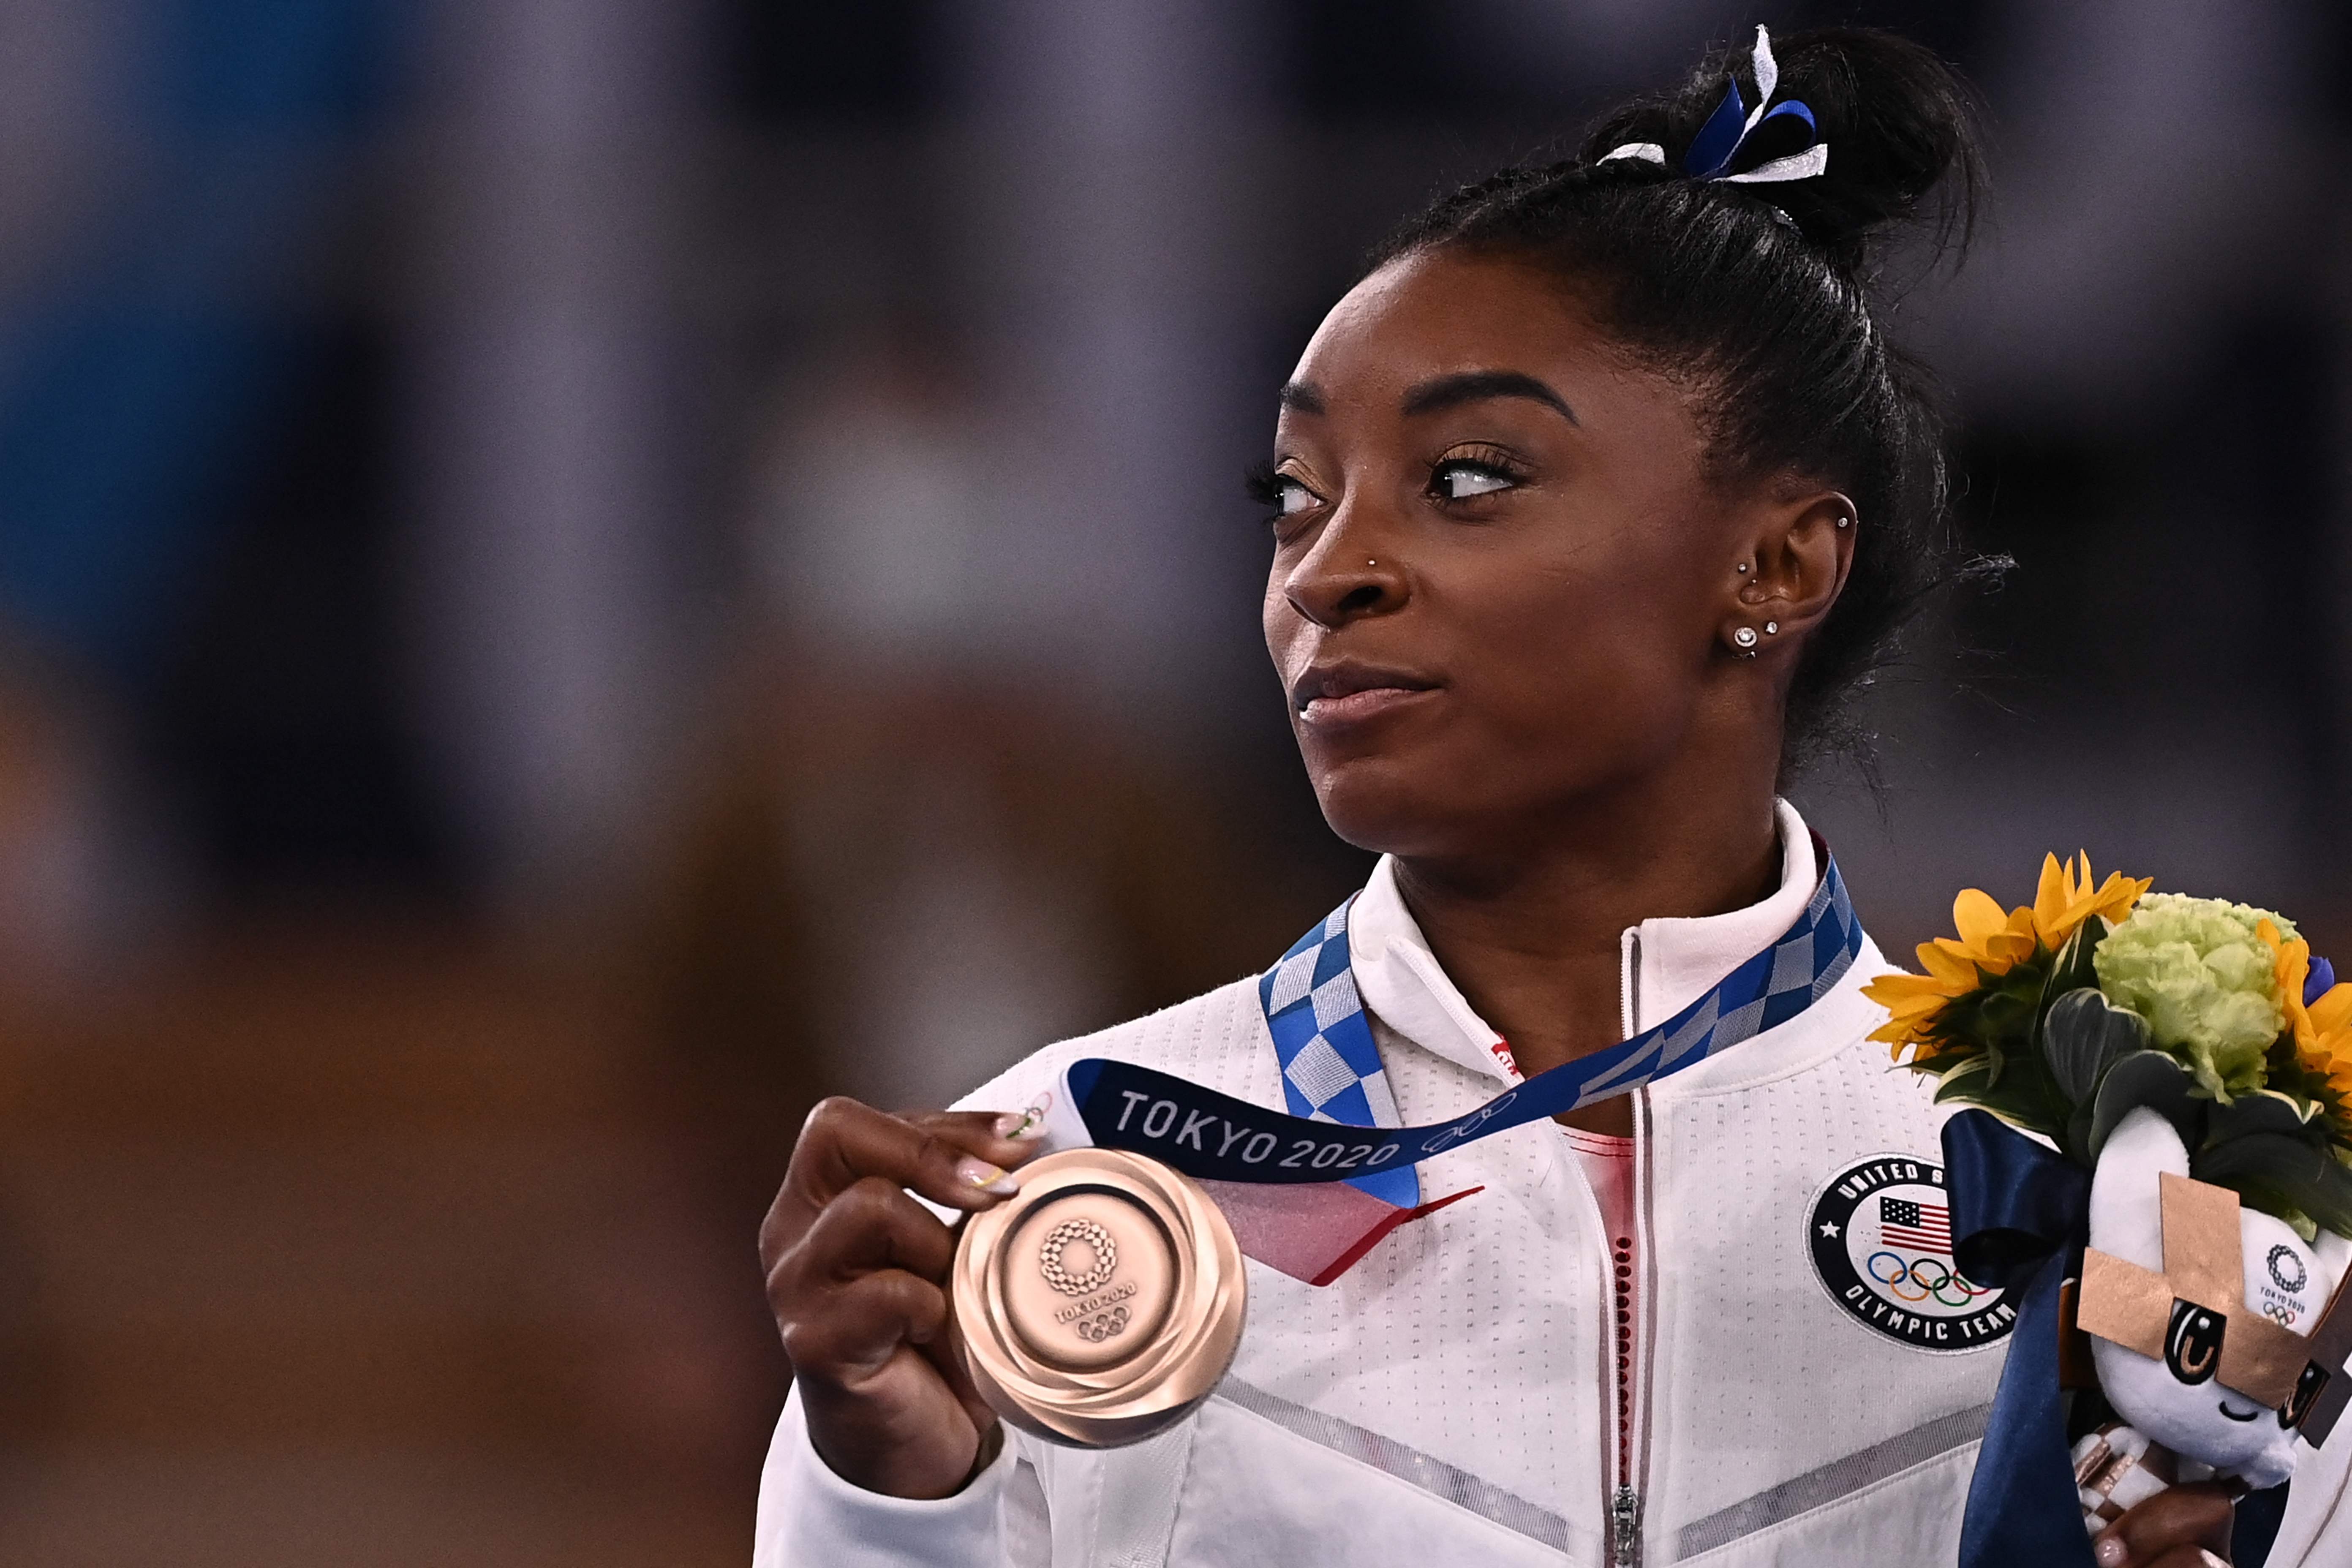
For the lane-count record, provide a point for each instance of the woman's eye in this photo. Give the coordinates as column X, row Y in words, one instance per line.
column 1461, row 481
column 1292, row 498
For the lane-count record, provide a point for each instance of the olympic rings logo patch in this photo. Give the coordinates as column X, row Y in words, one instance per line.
column 1921, row 1279
column 1879, row 1235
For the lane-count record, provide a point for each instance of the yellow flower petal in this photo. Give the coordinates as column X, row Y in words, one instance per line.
column 1977, row 918
column 2066, row 899
column 2115, row 896
column 2053, row 898
column 1951, row 962
column 2333, row 1011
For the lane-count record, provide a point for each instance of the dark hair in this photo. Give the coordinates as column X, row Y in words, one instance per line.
column 1761, row 296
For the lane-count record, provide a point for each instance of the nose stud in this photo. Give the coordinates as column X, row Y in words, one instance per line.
column 1745, row 636
column 1743, row 565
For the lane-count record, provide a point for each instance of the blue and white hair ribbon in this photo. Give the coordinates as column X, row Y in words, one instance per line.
column 1726, row 130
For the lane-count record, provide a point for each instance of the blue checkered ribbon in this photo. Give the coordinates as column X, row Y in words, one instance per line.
column 1331, row 1067
column 1342, row 1122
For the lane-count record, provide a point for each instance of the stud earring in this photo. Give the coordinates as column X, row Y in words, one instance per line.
column 1846, row 522
column 1371, row 563
column 1770, row 627
column 1745, row 638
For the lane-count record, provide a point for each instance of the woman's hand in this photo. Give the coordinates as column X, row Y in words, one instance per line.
column 856, row 1272
column 2181, row 1527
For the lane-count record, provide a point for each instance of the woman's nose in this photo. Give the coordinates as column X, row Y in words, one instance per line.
column 1345, row 578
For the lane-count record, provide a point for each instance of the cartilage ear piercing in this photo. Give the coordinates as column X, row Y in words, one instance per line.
column 1844, row 521
column 1745, row 636
column 1771, row 626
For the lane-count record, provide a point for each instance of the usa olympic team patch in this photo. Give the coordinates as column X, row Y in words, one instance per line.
column 1881, row 1237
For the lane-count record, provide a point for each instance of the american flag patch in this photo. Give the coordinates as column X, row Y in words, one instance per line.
column 1926, row 1228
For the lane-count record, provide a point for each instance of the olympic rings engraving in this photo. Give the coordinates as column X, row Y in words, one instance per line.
column 1096, row 1239
column 1914, row 1272
column 1102, row 1326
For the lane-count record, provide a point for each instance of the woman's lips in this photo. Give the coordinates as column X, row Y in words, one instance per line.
column 1356, row 707
column 1347, row 695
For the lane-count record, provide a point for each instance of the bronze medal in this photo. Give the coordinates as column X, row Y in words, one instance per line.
column 1101, row 1304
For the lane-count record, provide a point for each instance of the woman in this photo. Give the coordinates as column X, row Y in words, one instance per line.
column 1589, row 503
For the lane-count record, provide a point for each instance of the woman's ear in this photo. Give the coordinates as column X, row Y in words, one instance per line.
column 1797, row 561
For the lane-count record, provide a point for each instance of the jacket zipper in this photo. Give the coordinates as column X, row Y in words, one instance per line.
column 1637, row 1474
column 1620, row 1499
column 1623, row 1353
column 1628, row 1357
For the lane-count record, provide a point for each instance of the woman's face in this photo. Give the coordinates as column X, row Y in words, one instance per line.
column 1502, row 577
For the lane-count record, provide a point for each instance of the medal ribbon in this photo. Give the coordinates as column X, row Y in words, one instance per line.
column 1217, row 1137
column 1330, row 1067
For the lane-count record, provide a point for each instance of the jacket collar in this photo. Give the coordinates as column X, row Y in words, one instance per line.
column 1667, row 964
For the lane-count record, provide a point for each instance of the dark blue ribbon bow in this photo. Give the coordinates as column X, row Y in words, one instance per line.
column 1730, row 128
column 2020, row 1218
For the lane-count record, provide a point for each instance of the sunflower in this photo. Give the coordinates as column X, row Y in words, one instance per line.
column 2322, row 1031
column 1991, row 944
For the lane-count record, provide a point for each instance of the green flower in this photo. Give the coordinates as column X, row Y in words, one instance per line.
column 2206, row 985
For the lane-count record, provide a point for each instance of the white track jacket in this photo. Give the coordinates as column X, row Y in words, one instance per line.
column 1454, row 1398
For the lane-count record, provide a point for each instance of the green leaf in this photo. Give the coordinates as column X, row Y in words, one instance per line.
column 2293, row 1168
column 2010, row 1012
column 2071, row 968
column 1938, row 1063
column 2151, row 1079
column 2289, row 1075
column 2076, row 1142
column 2022, row 1095
column 2084, row 1034
column 2265, row 1111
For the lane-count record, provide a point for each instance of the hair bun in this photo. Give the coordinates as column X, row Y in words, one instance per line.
column 1898, row 122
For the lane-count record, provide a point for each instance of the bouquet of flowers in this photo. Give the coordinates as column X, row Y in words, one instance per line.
column 2061, row 1016
column 2188, row 1064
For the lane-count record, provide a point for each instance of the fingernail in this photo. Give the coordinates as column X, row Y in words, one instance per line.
column 2109, row 1551
column 988, row 1178
column 2210, row 1561
column 1022, row 1124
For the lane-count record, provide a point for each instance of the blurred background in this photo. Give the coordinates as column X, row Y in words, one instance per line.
column 577, row 573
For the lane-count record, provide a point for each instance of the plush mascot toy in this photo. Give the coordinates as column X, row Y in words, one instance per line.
column 2161, row 1086
column 2201, row 1314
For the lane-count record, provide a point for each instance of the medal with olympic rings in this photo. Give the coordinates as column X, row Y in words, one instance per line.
column 1103, row 1302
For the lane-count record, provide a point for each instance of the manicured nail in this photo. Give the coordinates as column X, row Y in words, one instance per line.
column 988, row 1178
column 1022, row 1124
column 2109, row 1551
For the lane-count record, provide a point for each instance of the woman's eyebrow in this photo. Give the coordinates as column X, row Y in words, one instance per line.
column 1476, row 386
column 1301, row 396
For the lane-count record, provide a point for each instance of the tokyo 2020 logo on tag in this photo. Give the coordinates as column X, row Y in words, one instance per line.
column 1881, row 1237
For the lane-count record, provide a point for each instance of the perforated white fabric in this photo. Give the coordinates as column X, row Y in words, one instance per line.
column 1450, row 1399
